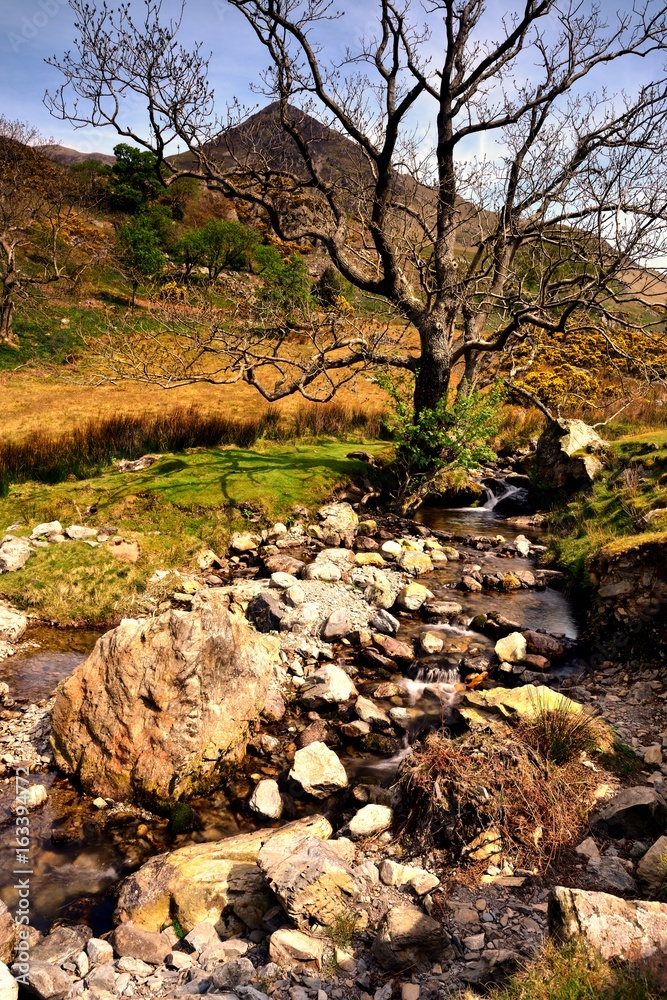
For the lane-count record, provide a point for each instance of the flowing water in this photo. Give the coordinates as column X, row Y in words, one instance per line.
column 78, row 855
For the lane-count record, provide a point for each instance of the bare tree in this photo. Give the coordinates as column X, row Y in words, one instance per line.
column 473, row 253
column 42, row 239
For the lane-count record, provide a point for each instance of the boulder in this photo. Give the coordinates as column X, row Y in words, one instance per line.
column 613, row 927
column 99, row 952
column 402, row 652
column 7, row 934
column 313, row 882
column 79, row 533
column 284, row 563
column 408, row 937
column 61, row 944
column 512, row 648
column 336, row 627
column 540, row 644
column 9, row 988
column 14, row 553
column 13, row 624
column 266, row 799
column 244, row 541
column 415, row 563
column 431, row 643
column 137, row 942
column 338, row 517
column 318, row 770
column 282, row 581
column 46, row 530
column 412, row 597
column 325, row 572
column 265, row 612
column 342, row 558
column 289, row 947
column 370, row 820
column 45, row 981
column 329, row 685
column 436, row 611
column 611, row 874
column 384, row 623
column 568, row 454
column 371, row 713
column 205, row 882
column 235, row 972
column 634, row 812
column 161, row 708
column 652, row 868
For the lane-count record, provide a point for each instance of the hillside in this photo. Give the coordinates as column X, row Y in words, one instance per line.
column 67, row 156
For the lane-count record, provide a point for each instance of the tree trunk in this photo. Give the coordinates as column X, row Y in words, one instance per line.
column 435, row 366
column 6, row 317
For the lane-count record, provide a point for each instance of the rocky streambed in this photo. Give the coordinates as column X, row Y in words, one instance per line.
column 295, row 673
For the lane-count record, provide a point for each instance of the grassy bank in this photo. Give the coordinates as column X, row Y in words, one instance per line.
column 633, row 484
column 181, row 505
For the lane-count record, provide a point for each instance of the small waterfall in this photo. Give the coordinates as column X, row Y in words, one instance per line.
column 443, row 682
column 503, row 491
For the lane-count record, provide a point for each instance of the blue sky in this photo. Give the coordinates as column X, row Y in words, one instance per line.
column 32, row 30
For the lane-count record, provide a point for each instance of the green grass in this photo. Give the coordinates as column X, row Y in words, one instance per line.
column 574, row 973
column 179, row 506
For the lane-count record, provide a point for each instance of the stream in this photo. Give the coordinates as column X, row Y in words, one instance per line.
column 79, row 853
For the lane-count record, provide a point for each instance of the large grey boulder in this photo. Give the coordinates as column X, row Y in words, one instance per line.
column 160, row 709
column 568, row 454
column 613, row 927
column 14, row 553
column 13, row 624
column 338, row 517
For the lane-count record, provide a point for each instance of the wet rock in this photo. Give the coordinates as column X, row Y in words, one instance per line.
column 431, row 643
column 611, row 874
column 634, row 812
column 370, row 820
column 236, row 972
column 46, row 981
column 567, row 454
column 413, row 596
column 9, row 988
column 512, row 648
column 265, row 612
column 327, row 686
column 266, row 799
column 13, row 624
column 274, row 708
column 437, row 611
column 402, row 652
column 339, row 517
column 408, row 937
column 652, row 868
column 355, row 730
column 384, row 623
column 470, row 584
column 14, row 553
column 318, row 770
column 289, row 947
column 544, row 645
column 336, row 627
column 7, row 934
column 387, row 690
column 31, row 797
column 371, row 713
column 99, row 952
column 61, row 944
column 204, row 882
column 136, row 942
column 613, row 927
column 310, row 878
column 380, row 745
column 415, row 563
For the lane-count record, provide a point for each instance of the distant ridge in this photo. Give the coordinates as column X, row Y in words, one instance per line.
column 66, row 156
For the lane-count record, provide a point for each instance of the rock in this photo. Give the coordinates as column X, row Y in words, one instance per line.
column 512, row 648
column 266, row 799
column 310, row 878
column 77, row 532
column 613, row 927
column 522, row 545
column 634, row 812
column 61, row 944
column 126, row 550
column 282, row 581
column 371, row 713
column 295, row 596
column 415, row 563
column 544, row 645
column 369, row 559
column 355, row 730
column 588, row 848
column 102, row 978
column 289, row 947
column 137, row 942
column 441, row 610
column 318, row 770
column 137, row 464
column 470, row 584
column 653, row 755
column 13, row 624
column 236, row 972
column 412, row 597
column 7, row 934
column 340, row 517
column 31, row 797
column 402, row 652
column 391, row 549
column 244, row 541
column 201, row 936
column 410, row 991
column 567, row 454
column 652, row 868
column 384, row 623
column 14, row 553
column 284, row 563
column 329, row 685
column 9, row 988
column 336, row 627
column 160, row 707
column 325, row 572
column 406, row 937
column 274, row 707
column 45, row 981
column 431, row 643
column 317, row 731
column 394, row 873
column 611, row 874
column 265, row 612
column 342, row 558
column 370, row 820
column 99, row 951
column 46, row 529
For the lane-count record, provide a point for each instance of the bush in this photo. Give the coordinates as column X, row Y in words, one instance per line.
column 560, row 735
column 286, row 282
column 328, row 288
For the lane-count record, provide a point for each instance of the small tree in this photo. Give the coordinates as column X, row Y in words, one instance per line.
column 139, row 253
column 287, row 282
column 328, row 288
column 135, row 179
